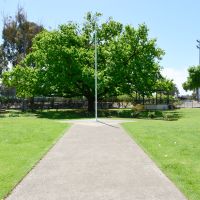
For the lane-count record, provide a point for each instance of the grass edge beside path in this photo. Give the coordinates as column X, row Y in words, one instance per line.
column 174, row 147
column 24, row 141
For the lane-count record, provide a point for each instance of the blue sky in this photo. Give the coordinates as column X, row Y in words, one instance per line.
column 175, row 23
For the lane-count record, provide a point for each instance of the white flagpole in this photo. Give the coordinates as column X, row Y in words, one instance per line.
column 96, row 73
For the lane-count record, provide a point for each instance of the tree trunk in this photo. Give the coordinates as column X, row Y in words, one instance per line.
column 143, row 99
column 32, row 103
column 197, row 93
column 168, row 98
column 136, row 97
column 91, row 104
column 139, row 99
column 52, row 102
column 156, row 97
column 24, row 105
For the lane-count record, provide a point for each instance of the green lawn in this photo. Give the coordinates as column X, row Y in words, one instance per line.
column 174, row 146
column 23, row 141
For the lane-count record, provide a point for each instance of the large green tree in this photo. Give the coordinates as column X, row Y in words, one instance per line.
column 17, row 36
column 63, row 59
column 193, row 80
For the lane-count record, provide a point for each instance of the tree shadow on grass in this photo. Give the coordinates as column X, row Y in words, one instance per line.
column 83, row 113
column 172, row 115
column 167, row 115
column 64, row 114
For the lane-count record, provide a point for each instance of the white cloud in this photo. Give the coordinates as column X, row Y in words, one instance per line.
column 178, row 75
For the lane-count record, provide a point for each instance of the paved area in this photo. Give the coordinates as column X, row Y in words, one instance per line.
column 96, row 161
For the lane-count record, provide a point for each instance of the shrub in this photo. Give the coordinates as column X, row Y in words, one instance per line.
column 13, row 115
column 124, row 113
column 151, row 115
column 168, row 117
column 135, row 114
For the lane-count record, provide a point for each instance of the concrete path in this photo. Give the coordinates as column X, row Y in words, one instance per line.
column 96, row 161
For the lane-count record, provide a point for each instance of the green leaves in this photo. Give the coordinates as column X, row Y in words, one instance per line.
column 24, row 79
column 62, row 60
column 17, row 35
column 193, row 80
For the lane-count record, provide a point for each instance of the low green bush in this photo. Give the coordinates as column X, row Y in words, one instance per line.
column 168, row 117
column 13, row 115
column 151, row 115
column 135, row 114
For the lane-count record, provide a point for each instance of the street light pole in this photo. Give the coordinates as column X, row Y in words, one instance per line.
column 95, row 72
column 198, row 47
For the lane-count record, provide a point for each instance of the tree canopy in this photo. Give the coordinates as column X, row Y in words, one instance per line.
column 166, row 86
column 17, row 36
column 62, row 61
column 193, row 80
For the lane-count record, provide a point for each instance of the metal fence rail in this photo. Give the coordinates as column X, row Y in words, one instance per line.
column 189, row 104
